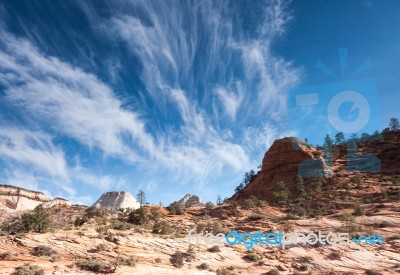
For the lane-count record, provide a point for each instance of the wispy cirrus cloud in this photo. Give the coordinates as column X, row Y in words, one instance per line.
column 201, row 79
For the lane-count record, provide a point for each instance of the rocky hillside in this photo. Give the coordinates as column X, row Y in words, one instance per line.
column 290, row 156
column 20, row 199
column 117, row 200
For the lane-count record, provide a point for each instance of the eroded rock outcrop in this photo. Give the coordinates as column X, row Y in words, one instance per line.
column 282, row 162
column 190, row 201
column 14, row 198
column 117, row 200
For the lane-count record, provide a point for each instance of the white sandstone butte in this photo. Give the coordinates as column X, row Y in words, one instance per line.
column 117, row 200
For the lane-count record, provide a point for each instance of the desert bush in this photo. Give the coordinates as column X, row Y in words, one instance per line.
column 175, row 208
column 28, row 269
column 287, row 227
column 139, row 216
column 252, row 257
column 249, row 204
column 6, row 255
column 5, row 227
column 130, row 261
column 102, row 229
column 225, row 271
column 190, row 254
column 371, row 272
column 96, row 212
column 158, row 260
column 214, row 249
column 118, row 225
column 273, row 271
column 359, row 209
column 177, row 259
column 101, row 247
column 155, row 214
column 217, row 228
column 42, row 250
column 203, row 266
column 256, row 217
column 281, row 195
column 162, row 227
column 94, row 265
column 334, row 256
column 36, row 220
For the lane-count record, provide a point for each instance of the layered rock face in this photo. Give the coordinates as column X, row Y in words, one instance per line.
column 285, row 159
column 117, row 200
column 190, row 200
column 20, row 199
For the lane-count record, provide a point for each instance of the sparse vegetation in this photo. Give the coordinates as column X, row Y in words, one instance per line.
column 139, row 216
column 203, row 266
column 6, row 255
column 252, row 257
column 177, row 259
column 273, row 272
column 37, row 220
column 175, row 208
column 162, row 227
column 359, row 209
column 225, row 271
column 129, row 261
column 371, row 272
column 214, row 249
column 42, row 250
column 190, row 254
column 28, row 269
column 95, row 265
column 334, row 256
column 101, row 247
column 281, row 195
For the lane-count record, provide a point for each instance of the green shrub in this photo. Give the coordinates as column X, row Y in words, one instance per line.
column 214, row 249
column 177, row 259
column 252, row 257
column 334, row 256
column 162, row 227
column 118, row 225
column 256, row 217
column 190, row 254
column 371, row 272
column 42, row 250
column 28, row 269
column 36, row 220
column 6, row 255
column 94, row 265
column 101, row 247
column 155, row 214
column 273, row 272
column 96, row 212
column 281, row 195
column 130, row 261
column 175, row 208
column 203, row 266
column 359, row 210
column 139, row 216
column 225, row 271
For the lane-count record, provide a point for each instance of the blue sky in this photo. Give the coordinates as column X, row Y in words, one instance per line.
column 172, row 97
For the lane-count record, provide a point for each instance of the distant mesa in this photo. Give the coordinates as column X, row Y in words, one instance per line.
column 117, row 201
column 190, row 201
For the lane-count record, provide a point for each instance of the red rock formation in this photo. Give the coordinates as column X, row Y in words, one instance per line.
column 280, row 163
